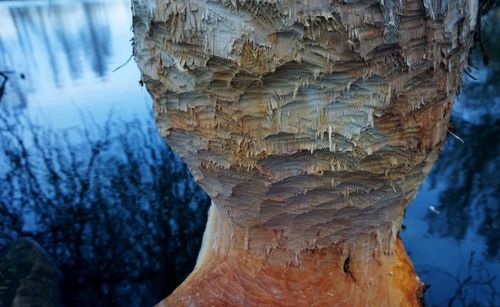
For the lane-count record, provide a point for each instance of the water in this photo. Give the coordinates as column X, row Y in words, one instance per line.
column 452, row 232
column 83, row 170
column 67, row 52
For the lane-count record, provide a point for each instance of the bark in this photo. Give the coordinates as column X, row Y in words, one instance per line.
column 311, row 125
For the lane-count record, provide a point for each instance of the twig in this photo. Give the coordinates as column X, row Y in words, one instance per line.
column 131, row 56
column 470, row 75
column 456, row 136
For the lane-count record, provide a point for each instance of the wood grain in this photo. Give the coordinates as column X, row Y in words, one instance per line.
column 311, row 125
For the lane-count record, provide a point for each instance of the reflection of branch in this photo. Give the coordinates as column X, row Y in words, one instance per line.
column 476, row 276
column 103, row 206
column 4, row 82
column 459, row 290
column 470, row 189
column 5, row 78
column 484, row 7
column 470, row 281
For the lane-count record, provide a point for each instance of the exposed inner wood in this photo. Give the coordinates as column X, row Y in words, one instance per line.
column 229, row 274
column 311, row 125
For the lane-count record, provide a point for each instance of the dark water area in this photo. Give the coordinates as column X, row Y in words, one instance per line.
column 84, row 172
column 452, row 228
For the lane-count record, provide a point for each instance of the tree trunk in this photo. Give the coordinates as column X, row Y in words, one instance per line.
column 311, row 125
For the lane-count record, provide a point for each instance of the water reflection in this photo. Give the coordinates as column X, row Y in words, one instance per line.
column 118, row 212
column 72, row 34
column 470, row 200
column 126, row 230
column 107, row 199
column 56, row 59
column 452, row 230
column 67, row 51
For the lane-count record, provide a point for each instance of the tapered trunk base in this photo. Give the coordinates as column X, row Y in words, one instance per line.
column 319, row 278
column 311, row 127
column 233, row 274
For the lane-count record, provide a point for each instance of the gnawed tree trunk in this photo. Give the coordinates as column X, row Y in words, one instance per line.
column 311, row 125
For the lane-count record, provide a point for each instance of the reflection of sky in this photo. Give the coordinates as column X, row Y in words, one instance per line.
column 483, row 82
column 67, row 51
column 470, row 112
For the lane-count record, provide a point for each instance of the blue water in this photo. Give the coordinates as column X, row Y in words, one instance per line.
column 452, row 231
column 67, row 51
column 60, row 58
